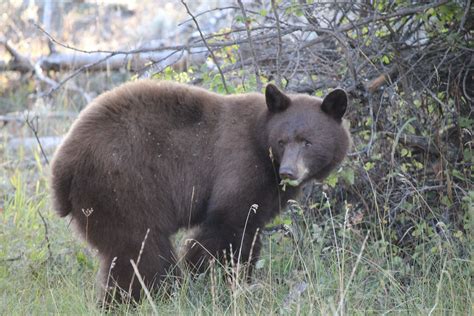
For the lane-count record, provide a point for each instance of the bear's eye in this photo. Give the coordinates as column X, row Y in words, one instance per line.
column 306, row 143
column 281, row 143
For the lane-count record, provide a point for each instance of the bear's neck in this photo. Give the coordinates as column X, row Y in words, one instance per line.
column 261, row 135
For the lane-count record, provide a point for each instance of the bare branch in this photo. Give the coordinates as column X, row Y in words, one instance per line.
column 252, row 49
column 74, row 74
column 33, row 125
column 46, row 234
column 207, row 46
column 280, row 43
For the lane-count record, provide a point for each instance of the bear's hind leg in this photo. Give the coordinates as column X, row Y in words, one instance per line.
column 117, row 277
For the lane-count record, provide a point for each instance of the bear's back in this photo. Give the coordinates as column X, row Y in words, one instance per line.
column 147, row 115
column 156, row 136
column 150, row 103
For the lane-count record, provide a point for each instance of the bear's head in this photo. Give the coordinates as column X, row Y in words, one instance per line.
column 306, row 134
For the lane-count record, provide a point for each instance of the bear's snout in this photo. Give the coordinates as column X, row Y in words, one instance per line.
column 286, row 172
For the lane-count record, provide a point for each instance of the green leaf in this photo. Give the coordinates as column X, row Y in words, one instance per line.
column 287, row 221
column 348, row 176
column 332, row 180
column 368, row 165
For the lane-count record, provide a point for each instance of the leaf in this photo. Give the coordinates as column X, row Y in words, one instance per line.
column 368, row 165
column 332, row 180
column 348, row 176
column 404, row 152
column 291, row 183
column 287, row 221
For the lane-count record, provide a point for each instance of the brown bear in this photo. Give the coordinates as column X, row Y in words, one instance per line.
column 164, row 156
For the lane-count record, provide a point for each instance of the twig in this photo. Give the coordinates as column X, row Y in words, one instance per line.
column 252, row 247
column 250, row 41
column 222, row 9
column 466, row 73
column 397, row 137
column 74, row 74
column 109, row 274
column 46, row 234
column 207, row 46
column 34, row 129
column 12, row 258
column 42, row 77
column 439, row 286
column 464, row 16
column 280, row 44
column 253, row 209
column 207, row 11
column 145, row 289
column 142, row 248
column 238, row 30
column 345, row 49
column 359, row 256
column 149, row 68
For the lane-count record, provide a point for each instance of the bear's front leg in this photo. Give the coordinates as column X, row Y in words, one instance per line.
column 216, row 239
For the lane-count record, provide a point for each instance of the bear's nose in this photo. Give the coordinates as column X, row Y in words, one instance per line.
column 287, row 173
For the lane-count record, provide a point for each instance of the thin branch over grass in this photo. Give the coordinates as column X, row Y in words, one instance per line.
column 145, row 289
column 46, row 234
column 33, row 125
column 138, row 261
column 207, row 46
column 247, row 22
column 280, row 44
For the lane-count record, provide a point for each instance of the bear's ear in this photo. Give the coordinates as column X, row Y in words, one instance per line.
column 335, row 104
column 276, row 100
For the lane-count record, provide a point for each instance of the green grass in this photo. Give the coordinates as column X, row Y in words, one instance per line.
column 310, row 274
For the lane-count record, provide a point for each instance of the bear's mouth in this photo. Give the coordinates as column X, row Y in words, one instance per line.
column 288, row 182
column 295, row 182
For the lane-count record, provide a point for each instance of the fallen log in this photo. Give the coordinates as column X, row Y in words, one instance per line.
column 100, row 61
column 110, row 61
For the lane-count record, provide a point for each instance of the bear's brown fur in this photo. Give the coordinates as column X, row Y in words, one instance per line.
column 163, row 156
